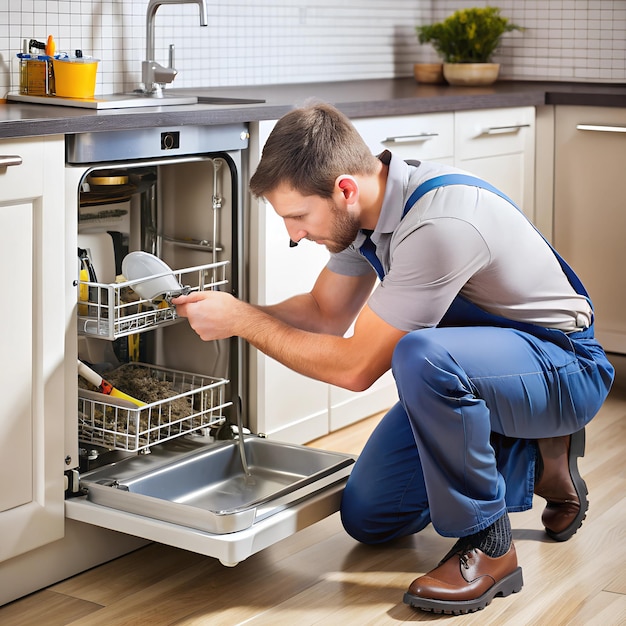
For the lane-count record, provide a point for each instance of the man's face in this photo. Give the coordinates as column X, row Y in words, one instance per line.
column 314, row 218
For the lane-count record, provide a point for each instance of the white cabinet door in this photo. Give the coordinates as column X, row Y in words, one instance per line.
column 283, row 404
column 498, row 145
column 590, row 210
column 32, row 334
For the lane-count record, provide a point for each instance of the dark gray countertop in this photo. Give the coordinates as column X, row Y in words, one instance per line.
column 365, row 98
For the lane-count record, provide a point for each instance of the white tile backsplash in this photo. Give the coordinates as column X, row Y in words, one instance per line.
column 280, row 41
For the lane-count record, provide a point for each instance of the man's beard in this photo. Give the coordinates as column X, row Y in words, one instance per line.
column 345, row 229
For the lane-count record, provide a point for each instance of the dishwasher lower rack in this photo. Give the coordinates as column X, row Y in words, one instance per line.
column 110, row 311
column 117, row 424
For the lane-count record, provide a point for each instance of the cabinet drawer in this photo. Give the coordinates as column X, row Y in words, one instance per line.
column 25, row 179
column 492, row 132
column 428, row 137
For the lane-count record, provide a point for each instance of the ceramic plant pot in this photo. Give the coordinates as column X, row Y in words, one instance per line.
column 471, row 74
column 431, row 73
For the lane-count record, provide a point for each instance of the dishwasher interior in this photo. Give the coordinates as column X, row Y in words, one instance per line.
column 174, row 464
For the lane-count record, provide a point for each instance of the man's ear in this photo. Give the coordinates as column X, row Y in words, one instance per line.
column 348, row 186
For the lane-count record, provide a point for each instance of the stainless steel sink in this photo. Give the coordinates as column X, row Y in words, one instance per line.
column 167, row 99
column 206, row 489
column 132, row 100
column 138, row 99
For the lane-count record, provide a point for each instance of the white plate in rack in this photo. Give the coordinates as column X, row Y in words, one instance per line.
column 138, row 265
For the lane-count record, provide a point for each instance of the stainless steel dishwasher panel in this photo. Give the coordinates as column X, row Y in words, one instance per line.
column 151, row 143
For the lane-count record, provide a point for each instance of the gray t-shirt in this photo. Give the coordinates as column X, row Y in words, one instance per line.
column 460, row 240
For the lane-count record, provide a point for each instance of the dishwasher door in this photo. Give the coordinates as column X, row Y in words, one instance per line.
column 229, row 549
column 196, row 496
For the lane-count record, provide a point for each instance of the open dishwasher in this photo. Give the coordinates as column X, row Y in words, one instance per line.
column 178, row 466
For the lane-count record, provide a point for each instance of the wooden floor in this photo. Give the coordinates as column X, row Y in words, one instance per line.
column 321, row 576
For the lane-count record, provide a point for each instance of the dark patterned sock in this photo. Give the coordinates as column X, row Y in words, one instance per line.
column 495, row 540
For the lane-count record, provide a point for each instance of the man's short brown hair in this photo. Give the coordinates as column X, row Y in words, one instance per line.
column 308, row 149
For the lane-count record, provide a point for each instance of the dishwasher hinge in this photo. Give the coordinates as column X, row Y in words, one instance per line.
column 72, row 483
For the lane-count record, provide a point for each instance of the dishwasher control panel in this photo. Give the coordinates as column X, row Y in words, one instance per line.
column 146, row 143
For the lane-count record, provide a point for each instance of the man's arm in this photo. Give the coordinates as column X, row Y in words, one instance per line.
column 330, row 307
column 305, row 333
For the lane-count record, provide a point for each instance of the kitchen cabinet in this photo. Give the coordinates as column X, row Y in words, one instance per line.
column 32, row 333
column 283, row 404
column 498, row 145
column 590, row 210
column 39, row 545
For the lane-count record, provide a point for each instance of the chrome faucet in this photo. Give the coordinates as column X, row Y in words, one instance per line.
column 154, row 75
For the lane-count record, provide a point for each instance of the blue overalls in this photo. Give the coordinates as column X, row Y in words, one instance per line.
column 475, row 392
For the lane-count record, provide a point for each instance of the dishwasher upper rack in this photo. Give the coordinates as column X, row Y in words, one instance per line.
column 117, row 425
column 109, row 311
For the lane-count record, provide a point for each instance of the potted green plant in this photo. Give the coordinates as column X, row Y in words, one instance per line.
column 467, row 40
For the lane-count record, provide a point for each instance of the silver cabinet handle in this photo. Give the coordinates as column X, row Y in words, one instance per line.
column 10, row 159
column 503, row 130
column 409, row 138
column 599, row 128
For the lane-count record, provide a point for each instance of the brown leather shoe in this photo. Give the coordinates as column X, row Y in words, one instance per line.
column 560, row 484
column 466, row 581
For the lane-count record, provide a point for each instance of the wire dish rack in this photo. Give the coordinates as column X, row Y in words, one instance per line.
column 197, row 402
column 110, row 311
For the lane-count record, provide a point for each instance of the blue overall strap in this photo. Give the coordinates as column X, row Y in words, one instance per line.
column 368, row 250
column 450, row 179
column 473, row 181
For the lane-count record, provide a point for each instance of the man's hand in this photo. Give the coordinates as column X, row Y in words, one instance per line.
column 212, row 314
